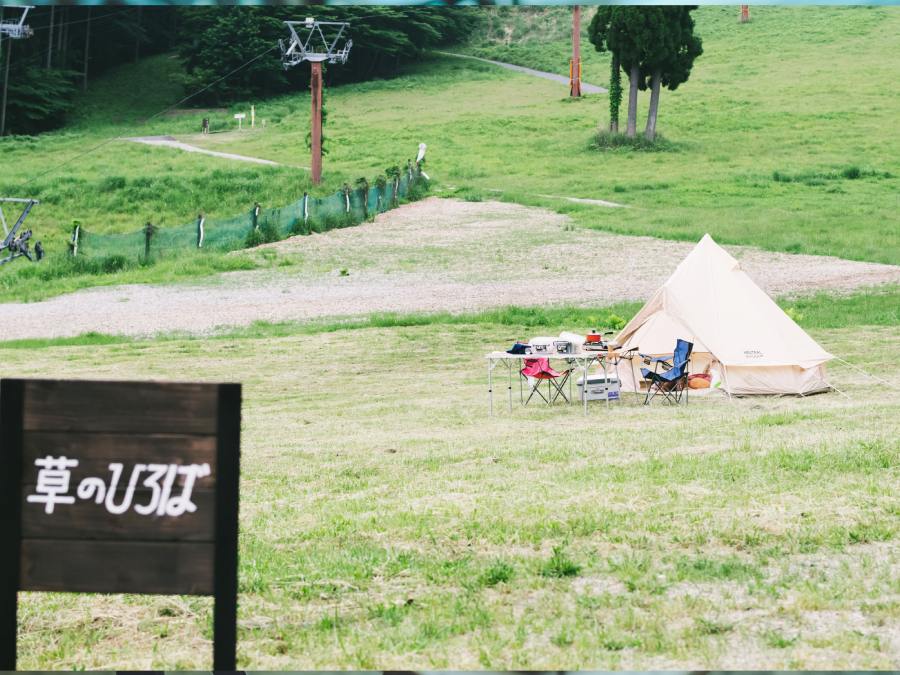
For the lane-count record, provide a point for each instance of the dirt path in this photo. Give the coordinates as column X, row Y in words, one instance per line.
column 170, row 142
column 434, row 255
column 585, row 87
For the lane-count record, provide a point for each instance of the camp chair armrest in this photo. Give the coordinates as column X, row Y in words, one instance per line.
column 657, row 359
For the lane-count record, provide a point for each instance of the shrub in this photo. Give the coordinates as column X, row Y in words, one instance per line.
column 254, row 238
column 266, row 233
column 299, row 227
column 112, row 183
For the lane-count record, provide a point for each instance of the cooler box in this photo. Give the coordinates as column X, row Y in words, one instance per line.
column 599, row 388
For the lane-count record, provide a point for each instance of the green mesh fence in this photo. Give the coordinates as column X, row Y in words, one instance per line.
column 305, row 216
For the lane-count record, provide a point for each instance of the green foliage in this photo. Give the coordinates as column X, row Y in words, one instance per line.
column 615, row 93
column 655, row 44
column 38, row 99
column 815, row 178
column 214, row 40
column 266, row 233
column 217, row 40
column 607, row 140
column 560, row 565
column 499, row 572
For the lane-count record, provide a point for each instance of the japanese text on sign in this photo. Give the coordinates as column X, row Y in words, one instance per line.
column 54, row 476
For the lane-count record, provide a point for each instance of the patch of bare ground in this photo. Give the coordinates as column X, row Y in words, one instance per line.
column 430, row 256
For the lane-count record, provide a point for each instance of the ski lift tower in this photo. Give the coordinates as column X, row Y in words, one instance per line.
column 316, row 42
column 16, row 29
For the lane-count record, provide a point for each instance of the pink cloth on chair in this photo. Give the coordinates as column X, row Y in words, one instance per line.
column 539, row 369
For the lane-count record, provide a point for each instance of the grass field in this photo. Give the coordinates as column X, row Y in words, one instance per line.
column 387, row 521
column 777, row 141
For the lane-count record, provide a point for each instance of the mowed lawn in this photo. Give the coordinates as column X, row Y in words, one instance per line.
column 388, row 522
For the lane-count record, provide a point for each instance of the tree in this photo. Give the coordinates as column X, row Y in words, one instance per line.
column 655, row 45
column 598, row 32
column 213, row 40
column 670, row 60
column 617, row 29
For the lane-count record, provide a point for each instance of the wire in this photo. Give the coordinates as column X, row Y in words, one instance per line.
column 40, row 56
column 152, row 117
column 55, row 26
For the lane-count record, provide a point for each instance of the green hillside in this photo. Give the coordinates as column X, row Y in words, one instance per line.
column 783, row 138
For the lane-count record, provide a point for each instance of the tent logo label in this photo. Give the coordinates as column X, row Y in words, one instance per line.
column 753, row 354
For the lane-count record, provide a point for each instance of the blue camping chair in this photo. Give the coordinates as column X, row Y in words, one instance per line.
column 673, row 382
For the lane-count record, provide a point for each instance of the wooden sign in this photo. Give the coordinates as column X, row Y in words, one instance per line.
column 119, row 487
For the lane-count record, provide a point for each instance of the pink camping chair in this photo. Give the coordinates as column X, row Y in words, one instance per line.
column 537, row 371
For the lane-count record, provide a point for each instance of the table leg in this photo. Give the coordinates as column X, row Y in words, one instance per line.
column 584, row 384
column 606, row 380
column 490, row 387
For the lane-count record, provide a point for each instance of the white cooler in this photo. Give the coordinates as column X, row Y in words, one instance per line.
column 599, row 388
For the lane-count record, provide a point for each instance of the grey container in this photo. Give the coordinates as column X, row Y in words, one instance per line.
column 599, row 388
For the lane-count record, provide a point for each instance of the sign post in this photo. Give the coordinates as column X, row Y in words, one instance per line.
column 120, row 487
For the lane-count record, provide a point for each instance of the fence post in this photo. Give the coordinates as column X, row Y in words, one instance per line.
column 201, row 221
column 305, row 207
column 73, row 246
column 149, row 230
column 254, row 216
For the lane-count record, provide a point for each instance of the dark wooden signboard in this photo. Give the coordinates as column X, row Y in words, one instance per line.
column 119, row 487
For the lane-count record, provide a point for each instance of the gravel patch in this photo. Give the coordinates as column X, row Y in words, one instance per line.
column 433, row 255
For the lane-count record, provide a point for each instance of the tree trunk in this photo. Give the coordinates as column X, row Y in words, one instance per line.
column 63, row 12
column 50, row 38
column 5, row 85
column 632, row 101
column 87, row 48
column 615, row 94
column 650, row 131
column 137, row 39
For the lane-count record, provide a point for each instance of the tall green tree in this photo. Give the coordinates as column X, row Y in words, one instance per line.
column 598, row 33
column 655, row 45
column 670, row 57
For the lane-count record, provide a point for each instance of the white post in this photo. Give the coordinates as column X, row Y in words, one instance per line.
column 252, row 116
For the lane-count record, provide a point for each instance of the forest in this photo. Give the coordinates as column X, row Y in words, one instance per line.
column 71, row 45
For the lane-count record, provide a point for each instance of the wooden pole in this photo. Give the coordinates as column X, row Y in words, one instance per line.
column 575, row 77
column 745, row 13
column 315, row 85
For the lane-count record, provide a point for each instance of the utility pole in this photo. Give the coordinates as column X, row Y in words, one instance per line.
column 575, row 66
column 316, row 48
column 315, row 88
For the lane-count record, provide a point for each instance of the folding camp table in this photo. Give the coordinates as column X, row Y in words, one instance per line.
column 582, row 360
